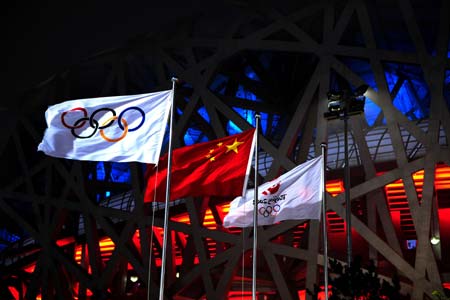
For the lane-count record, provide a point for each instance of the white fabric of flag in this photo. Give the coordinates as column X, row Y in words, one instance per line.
column 119, row 128
column 295, row 195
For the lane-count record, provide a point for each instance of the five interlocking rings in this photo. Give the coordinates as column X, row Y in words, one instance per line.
column 269, row 210
column 122, row 122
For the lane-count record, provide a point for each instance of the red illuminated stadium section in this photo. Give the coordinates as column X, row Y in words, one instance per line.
column 395, row 196
column 398, row 202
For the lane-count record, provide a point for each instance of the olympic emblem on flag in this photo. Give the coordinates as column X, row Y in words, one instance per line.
column 94, row 123
column 269, row 210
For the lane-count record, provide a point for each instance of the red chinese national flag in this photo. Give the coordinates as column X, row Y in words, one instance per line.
column 214, row 168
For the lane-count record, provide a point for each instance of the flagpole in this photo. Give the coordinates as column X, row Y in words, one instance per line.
column 255, row 210
column 324, row 220
column 166, row 206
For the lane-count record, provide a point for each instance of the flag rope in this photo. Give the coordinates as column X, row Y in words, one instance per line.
column 243, row 262
column 255, row 210
column 324, row 220
column 152, row 224
column 244, row 191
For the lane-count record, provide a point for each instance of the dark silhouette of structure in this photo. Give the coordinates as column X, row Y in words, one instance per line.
column 80, row 230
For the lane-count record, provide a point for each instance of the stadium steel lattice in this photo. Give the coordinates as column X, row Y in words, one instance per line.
column 80, row 230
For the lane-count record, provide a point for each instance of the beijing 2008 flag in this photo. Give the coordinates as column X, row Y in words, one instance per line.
column 119, row 128
column 295, row 195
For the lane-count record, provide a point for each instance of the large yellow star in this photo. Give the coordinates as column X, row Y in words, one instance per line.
column 234, row 146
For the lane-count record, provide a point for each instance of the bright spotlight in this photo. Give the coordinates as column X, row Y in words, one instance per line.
column 435, row 240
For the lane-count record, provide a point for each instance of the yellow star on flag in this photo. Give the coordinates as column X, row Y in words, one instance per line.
column 234, row 146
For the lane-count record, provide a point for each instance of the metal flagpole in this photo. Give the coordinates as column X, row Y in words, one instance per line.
column 255, row 211
column 348, row 204
column 324, row 220
column 166, row 206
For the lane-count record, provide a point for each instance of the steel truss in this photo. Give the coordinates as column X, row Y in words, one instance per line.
column 295, row 50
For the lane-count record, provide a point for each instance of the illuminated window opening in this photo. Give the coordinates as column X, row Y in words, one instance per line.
column 411, row 244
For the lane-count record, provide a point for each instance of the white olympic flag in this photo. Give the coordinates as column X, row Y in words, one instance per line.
column 119, row 128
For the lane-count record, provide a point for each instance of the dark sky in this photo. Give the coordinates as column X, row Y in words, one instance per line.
column 44, row 37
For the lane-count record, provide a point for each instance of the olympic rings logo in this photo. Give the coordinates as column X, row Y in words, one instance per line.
column 269, row 210
column 94, row 123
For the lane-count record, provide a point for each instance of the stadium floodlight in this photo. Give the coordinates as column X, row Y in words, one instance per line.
column 341, row 105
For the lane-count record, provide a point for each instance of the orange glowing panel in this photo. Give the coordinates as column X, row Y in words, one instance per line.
column 223, row 209
column 396, row 194
column 334, row 187
column 442, row 179
column 226, row 207
column 418, row 176
column 182, row 218
column 396, row 184
column 209, row 221
column 78, row 251
column 106, row 245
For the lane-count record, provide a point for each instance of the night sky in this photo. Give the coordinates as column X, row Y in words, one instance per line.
column 44, row 37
